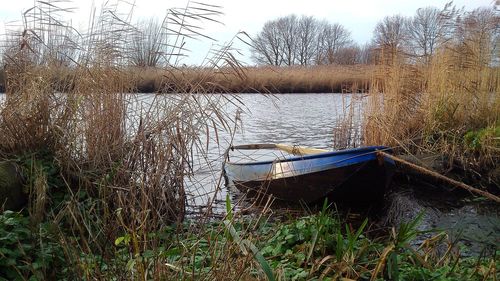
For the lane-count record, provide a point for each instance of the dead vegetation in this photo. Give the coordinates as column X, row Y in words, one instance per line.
column 265, row 79
column 447, row 103
column 97, row 162
column 314, row 79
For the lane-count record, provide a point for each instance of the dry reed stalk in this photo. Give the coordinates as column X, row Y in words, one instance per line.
column 347, row 131
column 39, row 194
column 314, row 79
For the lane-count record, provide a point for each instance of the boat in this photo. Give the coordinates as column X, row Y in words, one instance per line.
column 303, row 174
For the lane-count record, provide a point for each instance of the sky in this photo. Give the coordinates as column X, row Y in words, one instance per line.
column 360, row 17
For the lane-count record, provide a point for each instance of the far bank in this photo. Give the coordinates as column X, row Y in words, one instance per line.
column 297, row 79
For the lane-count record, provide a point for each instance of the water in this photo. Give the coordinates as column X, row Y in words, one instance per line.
column 305, row 119
column 473, row 223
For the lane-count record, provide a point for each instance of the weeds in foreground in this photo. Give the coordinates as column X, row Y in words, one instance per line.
column 315, row 247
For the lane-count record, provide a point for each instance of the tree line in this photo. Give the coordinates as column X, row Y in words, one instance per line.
column 305, row 40
column 285, row 41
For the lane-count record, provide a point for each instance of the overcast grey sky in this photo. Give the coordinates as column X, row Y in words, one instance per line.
column 360, row 17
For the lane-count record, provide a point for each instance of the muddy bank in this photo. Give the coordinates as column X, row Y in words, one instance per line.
column 471, row 223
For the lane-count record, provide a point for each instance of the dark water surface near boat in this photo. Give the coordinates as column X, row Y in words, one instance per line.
column 309, row 120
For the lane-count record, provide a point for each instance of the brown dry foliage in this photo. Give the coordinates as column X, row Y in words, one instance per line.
column 130, row 158
column 429, row 107
column 313, row 79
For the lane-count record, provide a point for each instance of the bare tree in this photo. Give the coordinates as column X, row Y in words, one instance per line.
column 307, row 33
column 427, row 30
column 291, row 40
column 478, row 35
column 267, row 45
column 390, row 36
column 331, row 38
column 277, row 43
column 348, row 55
column 288, row 27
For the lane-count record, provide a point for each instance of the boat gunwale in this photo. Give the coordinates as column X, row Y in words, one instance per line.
column 367, row 150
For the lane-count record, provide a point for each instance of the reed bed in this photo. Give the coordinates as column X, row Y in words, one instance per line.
column 312, row 79
column 317, row 79
column 449, row 107
column 92, row 169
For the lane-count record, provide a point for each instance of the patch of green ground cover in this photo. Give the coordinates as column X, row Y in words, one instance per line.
column 462, row 269
column 28, row 252
column 477, row 139
column 320, row 247
column 315, row 247
column 349, row 253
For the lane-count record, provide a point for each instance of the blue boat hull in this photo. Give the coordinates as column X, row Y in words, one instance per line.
column 355, row 176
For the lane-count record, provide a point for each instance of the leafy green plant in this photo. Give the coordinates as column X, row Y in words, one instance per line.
column 245, row 245
column 401, row 238
column 26, row 252
column 294, row 246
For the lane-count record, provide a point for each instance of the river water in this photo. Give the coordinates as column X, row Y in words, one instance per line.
column 310, row 120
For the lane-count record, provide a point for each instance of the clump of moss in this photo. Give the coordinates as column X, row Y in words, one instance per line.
column 485, row 137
